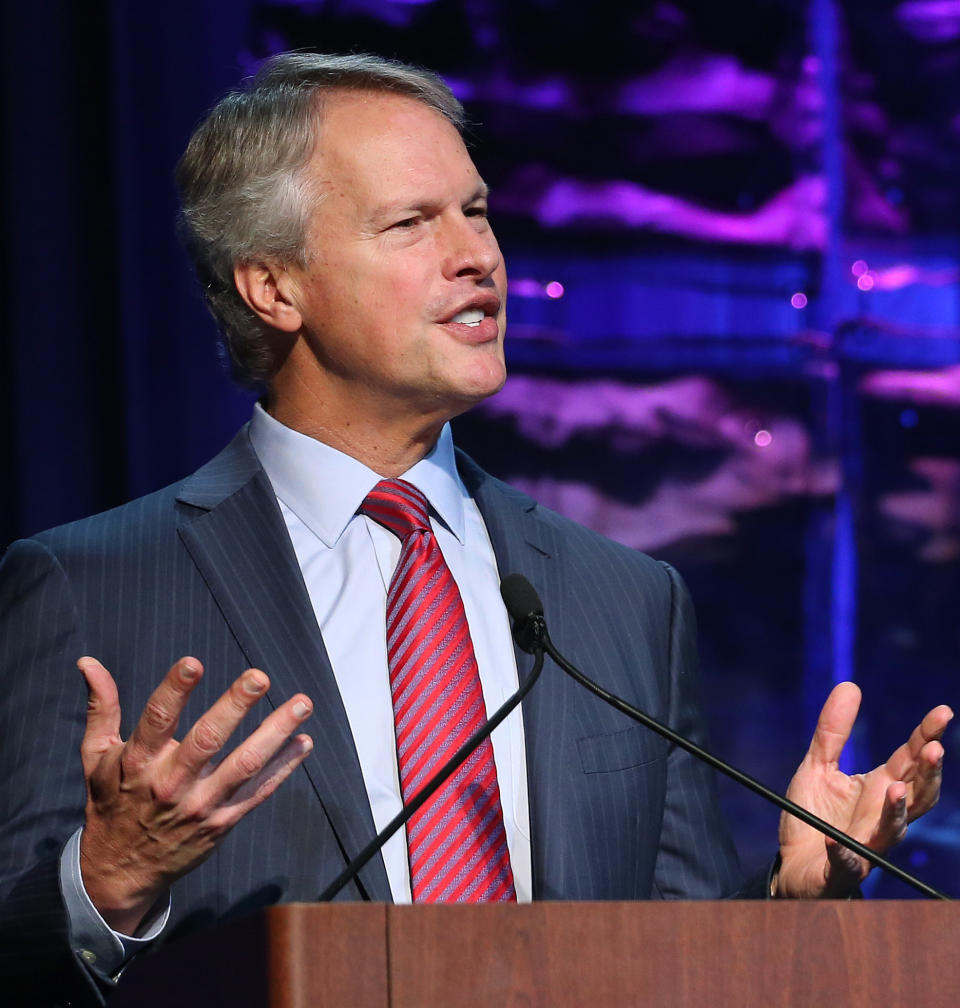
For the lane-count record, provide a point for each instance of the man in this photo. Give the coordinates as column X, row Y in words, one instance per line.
column 340, row 231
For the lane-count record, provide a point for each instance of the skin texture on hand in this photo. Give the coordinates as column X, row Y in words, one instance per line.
column 873, row 808
column 156, row 808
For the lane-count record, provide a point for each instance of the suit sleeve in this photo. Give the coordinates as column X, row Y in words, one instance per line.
column 696, row 858
column 42, row 716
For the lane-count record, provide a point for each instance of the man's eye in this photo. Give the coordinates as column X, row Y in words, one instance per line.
column 407, row 222
column 476, row 211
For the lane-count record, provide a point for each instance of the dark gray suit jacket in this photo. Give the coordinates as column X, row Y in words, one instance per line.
column 206, row 568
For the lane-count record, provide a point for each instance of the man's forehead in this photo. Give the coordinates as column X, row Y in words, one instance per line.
column 354, row 116
column 389, row 149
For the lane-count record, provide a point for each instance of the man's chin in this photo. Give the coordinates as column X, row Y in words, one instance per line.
column 466, row 398
column 487, row 385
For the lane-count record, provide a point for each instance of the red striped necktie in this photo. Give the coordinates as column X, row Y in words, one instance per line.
column 456, row 842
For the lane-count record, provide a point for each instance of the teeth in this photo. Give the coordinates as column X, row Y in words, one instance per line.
column 469, row 316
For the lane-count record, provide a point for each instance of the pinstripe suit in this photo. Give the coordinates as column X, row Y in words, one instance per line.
column 206, row 568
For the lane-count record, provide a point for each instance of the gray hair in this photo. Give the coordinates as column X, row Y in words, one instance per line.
column 243, row 192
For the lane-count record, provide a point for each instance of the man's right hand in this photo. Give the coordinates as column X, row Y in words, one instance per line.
column 156, row 807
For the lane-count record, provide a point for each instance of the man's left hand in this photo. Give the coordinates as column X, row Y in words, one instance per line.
column 873, row 808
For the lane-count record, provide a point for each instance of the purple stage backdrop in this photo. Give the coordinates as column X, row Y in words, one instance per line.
column 732, row 235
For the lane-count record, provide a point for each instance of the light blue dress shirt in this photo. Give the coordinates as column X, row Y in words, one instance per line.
column 347, row 561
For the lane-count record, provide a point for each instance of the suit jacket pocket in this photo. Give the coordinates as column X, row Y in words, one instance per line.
column 621, row 750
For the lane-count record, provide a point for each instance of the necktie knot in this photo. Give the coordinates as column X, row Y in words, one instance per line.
column 398, row 506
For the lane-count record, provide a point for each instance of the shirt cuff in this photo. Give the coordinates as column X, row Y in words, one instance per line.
column 104, row 950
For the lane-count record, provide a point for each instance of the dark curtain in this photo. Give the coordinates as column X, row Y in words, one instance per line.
column 114, row 383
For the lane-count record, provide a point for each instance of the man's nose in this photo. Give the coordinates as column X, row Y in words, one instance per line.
column 471, row 251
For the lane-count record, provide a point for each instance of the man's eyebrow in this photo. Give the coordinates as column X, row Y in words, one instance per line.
column 388, row 211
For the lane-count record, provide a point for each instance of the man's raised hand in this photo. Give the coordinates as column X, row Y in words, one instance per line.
column 873, row 808
column 156, row 807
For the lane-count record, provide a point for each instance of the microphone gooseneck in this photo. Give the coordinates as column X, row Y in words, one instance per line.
column 530, row 628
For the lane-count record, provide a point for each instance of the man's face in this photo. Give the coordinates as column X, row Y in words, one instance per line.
column 403, row 300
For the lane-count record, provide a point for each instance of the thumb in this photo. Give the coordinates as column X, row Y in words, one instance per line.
column 835, row 724
column 103, row 713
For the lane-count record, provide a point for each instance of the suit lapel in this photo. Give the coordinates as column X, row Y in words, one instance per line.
column 233, row 529
column 521, row 542
column 526, row 544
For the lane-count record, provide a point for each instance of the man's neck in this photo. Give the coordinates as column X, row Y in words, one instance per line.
column 383, row 449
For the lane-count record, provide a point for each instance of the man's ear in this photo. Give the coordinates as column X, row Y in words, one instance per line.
column 267, row 289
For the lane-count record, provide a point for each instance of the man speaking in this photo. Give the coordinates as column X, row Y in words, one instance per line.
column 339, row 563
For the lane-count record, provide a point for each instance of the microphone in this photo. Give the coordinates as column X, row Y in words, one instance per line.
column 530, row 633
column 526, row 610
column 437, row 781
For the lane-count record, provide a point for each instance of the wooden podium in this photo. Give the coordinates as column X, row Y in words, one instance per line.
column 683, row 954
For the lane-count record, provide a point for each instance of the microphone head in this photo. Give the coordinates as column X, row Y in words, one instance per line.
column 520, row 597
column 525, row 609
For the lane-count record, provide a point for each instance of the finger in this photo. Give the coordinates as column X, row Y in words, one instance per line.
column 845, row 871
column 250, row 761
column 161, row 714
column 926, row 784
column 835, row 723
column 259, row 788
column 892, row 825
column 210, row 732
column 902, row 762
column 103, row 713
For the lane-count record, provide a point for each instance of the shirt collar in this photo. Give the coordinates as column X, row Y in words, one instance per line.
column 324, row 487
